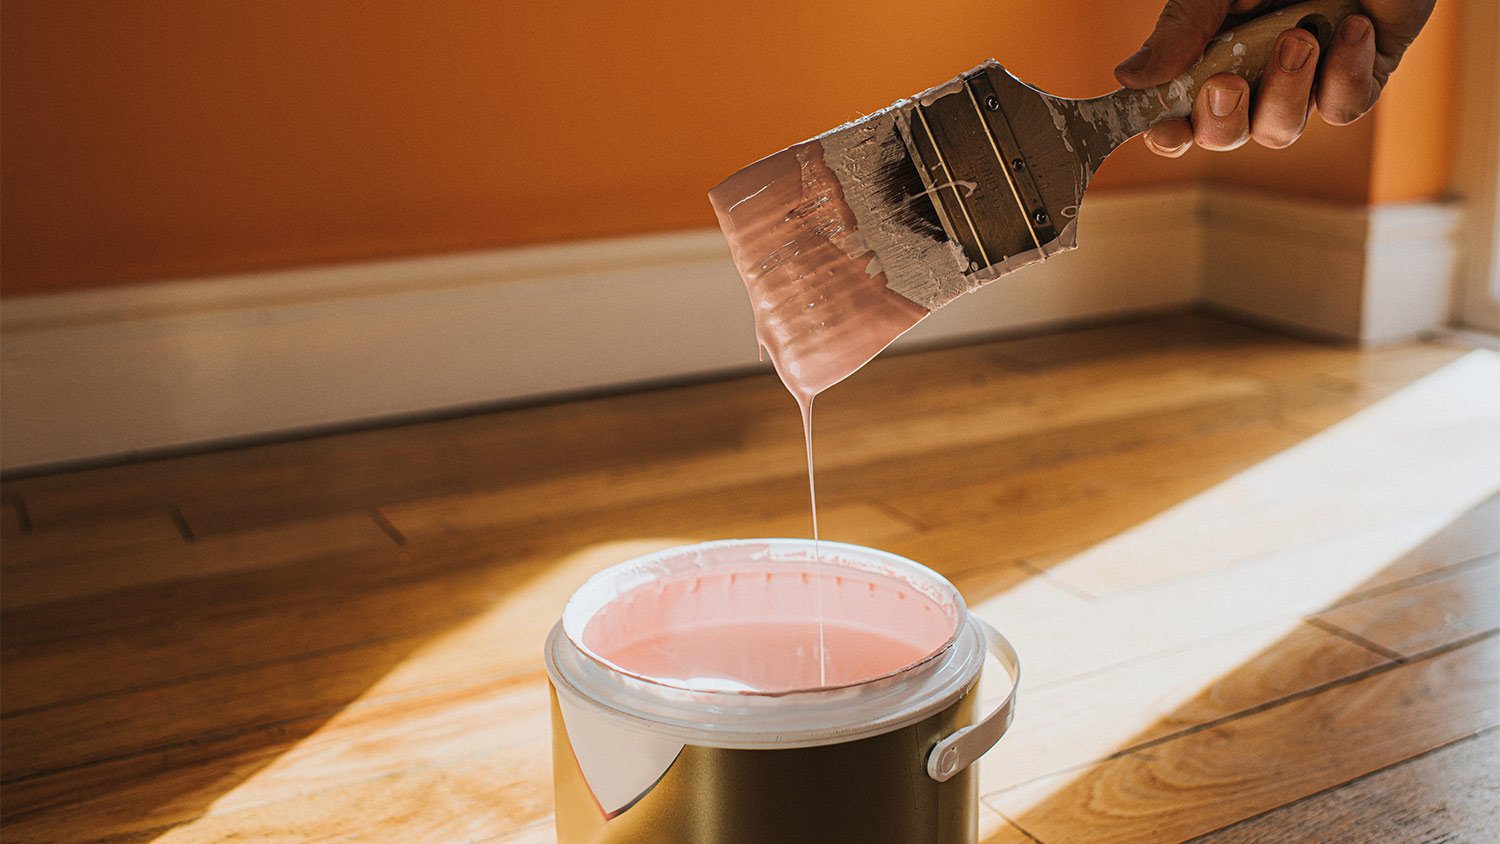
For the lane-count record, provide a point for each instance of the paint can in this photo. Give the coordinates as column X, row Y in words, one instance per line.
column 695, row 698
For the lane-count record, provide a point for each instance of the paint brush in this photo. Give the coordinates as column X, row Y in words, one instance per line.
column 848, row 239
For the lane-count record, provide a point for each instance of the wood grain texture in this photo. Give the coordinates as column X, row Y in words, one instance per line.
column 1209, row 779
column 349, row 645
column 1432, row 614
column 79, row 573
column 1070, row 724
column 1474, row 535
column 1450, row 795
column 1067, row 635
column 103, row 536
column 1429, row 448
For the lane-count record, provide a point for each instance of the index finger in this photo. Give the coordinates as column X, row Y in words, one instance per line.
column 1181, row 34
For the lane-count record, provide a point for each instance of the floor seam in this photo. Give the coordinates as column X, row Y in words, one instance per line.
column 1345, row 784
column 246, row 667
column 322, row 716
column 387, row 527
column 908, row 520
column 1311, row 691
column 23, row 515
column 1450, row 570
column 180, row 521
column 1350, row 636
column 1060, row 583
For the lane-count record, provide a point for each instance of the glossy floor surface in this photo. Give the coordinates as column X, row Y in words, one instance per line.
column 1253, row 581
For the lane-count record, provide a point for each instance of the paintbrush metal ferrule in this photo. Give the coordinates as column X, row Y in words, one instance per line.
column 944, row 194
column 964, row 182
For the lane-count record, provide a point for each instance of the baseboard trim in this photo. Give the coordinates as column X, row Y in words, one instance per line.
column 101, row 375
column 1354, row 273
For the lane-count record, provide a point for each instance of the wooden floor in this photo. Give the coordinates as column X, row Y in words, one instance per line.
column 1253, row 582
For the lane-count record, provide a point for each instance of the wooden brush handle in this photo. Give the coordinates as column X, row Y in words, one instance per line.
column 1244, row 50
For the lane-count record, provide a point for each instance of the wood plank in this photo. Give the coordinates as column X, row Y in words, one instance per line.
column 1063, row 635
column 1115, row 341
column 12, row 520
column 542, row 832
column 1164, row 643
column 104, row 536
column 1373, row 374
column 1206, row 458
column 482, row 798
column 269, row 696
column 1382, row 371
column 1427, row 449
column 141, row 794
column 1452, row 794
column 268, row 690
column 1209, row 779
column 1431, row 614
column 779, row 507
column 272, row 626
column 782, row 511
column 255, row 486
column 214, row 625
column 246, row 688
column 1473, row 535
column 77, row 574
column 979, row 422
column 936, row 474
column 994, row 829
column 253, row 677
column 249, row 487
column 1070, row 724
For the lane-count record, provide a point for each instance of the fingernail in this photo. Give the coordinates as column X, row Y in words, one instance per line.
column 1294, row 54
column 1355, row 29
column 1223, row 101
column 1137, row 62
column 1171, row 152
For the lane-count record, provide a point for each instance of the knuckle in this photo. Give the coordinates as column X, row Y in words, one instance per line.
column 1194, row 17
column 1350, row 79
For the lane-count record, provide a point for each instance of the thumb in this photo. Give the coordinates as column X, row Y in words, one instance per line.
column 1182, row 32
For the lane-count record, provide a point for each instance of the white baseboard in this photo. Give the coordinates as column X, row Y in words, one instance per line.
column 1369, row 275
column 100, row 374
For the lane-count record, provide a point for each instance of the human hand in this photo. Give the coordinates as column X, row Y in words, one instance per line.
column 1360, row 59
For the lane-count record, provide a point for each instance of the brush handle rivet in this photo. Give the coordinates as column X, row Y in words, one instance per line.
column 1039, row 217
column 992, row 103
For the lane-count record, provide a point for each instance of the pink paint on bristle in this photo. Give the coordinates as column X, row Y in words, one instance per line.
column 795, row 243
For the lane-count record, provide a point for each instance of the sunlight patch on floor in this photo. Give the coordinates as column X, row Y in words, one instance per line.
column 407, row 707
column 1221, row 578
column 1230, row 571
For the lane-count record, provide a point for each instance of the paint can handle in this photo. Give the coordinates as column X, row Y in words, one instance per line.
column 963, row 747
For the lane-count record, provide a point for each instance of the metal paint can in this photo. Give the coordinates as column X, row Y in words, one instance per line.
column 879, row 750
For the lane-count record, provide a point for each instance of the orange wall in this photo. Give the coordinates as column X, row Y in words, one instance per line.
column 156, row 139
column 1415, row 130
